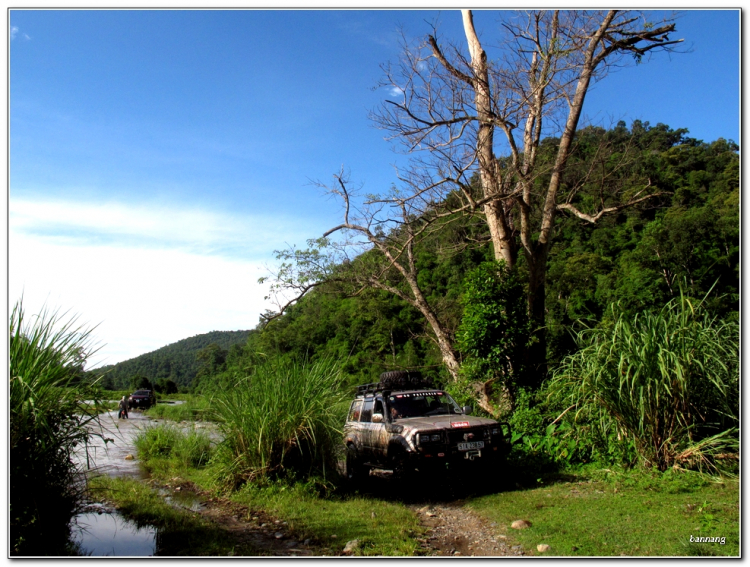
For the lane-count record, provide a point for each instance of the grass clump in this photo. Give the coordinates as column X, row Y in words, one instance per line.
column 48, row 422
column 166, row 441
column 666, row 382
column 284, row 418
column 195, row 408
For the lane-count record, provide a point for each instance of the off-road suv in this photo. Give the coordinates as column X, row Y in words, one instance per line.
column 403, row 424
column 142, row 399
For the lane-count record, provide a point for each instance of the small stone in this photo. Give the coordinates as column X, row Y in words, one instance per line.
column 255, row 518
column 278, row 535
column 456, row 553
column 351, row 547
column 277, row 522
column 178, row 488
column 334, row 536
column 372, row 515
column 542, row 548
column 307, row 541
column 430, row 514
column 263, row 525
column 520, row 524
column 129, row 458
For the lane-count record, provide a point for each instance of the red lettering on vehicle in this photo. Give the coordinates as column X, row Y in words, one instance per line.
column 459, row 424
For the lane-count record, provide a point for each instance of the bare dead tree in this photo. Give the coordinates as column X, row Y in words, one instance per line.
column 390, row 229
column 453, row 104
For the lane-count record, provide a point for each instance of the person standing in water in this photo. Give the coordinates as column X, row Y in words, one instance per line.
column 123, row 409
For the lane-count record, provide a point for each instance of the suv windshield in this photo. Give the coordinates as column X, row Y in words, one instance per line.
column 142, row 393
column 418, row 404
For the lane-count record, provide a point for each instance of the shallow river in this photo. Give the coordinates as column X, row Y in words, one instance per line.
column 102, row 531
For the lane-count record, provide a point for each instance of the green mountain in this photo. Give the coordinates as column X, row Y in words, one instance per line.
column 177, row 361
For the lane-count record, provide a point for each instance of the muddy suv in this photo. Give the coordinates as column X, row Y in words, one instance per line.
column 403, row 424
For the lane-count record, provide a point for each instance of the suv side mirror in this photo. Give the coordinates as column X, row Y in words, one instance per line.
column 467, row 409
column 377, row 418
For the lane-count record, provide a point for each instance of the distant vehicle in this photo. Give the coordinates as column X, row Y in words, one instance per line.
column 141, row 399
column 403, row 424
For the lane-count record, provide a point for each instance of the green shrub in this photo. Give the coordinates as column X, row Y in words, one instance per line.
column 285, row 417
column 49, row 421
column 667, row 382
column 195, row 408
column 189, row 448
column 494, row 330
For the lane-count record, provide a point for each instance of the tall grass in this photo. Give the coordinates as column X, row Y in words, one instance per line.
column 48, row 420
column 669, row 380
column 284, row 418
column 195, row 408
column 189, row 448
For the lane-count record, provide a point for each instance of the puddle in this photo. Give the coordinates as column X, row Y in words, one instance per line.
column 109, row 534
column 184, row 500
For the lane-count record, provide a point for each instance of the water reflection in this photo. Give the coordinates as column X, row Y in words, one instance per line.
column 109, row 534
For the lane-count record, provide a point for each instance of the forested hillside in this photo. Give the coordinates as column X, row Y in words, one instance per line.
column 640, row 257
column 177, row 362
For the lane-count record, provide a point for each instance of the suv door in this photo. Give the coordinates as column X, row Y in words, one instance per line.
column 365, row 428
column 379, row 432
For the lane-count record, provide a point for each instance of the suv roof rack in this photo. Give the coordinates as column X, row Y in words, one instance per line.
column 369, row 388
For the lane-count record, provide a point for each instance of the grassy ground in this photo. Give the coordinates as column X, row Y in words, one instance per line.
column 611, row 514
column 382, row 528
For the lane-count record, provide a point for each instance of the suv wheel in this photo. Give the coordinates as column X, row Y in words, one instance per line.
column 355, row 472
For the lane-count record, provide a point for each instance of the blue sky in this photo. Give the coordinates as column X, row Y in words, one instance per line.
column 157, row 158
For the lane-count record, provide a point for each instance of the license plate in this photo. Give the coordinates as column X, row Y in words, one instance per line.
column 471, row 445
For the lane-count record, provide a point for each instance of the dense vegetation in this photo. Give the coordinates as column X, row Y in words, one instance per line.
column 49, row 421
column 177, row 362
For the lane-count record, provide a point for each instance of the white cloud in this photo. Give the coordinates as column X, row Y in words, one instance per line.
column 13, row 32
column 148, row 277
column 395, row 91
column 142, row 299
column 151, row 225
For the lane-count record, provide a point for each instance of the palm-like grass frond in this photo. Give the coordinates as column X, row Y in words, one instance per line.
column 669, row 379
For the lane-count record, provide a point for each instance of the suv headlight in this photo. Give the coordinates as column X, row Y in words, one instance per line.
column 426, row 438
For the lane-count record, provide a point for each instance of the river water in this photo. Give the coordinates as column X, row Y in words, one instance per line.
column 102, row 531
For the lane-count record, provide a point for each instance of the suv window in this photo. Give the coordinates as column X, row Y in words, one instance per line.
column 367, row 411
column 378, row 408
column 355, row 410
column 418, row 404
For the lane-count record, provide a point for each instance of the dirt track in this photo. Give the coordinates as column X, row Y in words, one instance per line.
column 451, row 530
